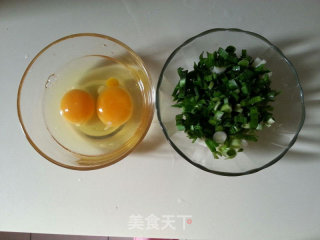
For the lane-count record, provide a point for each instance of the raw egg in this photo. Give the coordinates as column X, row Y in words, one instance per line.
column 77, row 106
column 114, row 105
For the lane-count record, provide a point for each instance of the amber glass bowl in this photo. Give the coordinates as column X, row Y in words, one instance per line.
column 41, row 73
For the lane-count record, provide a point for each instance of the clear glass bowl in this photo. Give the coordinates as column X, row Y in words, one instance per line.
column 44, row 74
column 273, row 142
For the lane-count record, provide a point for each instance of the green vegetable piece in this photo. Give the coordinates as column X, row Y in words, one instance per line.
column 216, row 106
column 211, row 144
column 254, row 117
column 243, row 63
column 196, row 91
column 180, row 127
column 232, row 84
column 226, row 108
column 234, row 129
column 255, row 100
column 246, row 126
column 243, row 53
column 250, row 138
column 265, row 79
column 259, row 127
column 244, row 89
column 210, row 85
column 182, row 74
column 218, row 115
column 240, row 119
column 213, row 121
column 238, row 108
column 219, row 128
column 214, row 76
column 208, row 78
column 236, row 143
column 182, row 82
column 177, row 105
column 236, row 68
column 231, row 153
column 235, row 95
column 209, row 60
column 261, row 69
column 222, row 53
column 230, row 49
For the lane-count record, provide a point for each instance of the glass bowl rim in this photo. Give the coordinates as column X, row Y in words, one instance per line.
column 148, row 119
column 252, row 34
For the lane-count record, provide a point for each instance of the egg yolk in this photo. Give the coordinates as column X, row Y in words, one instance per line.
column 114, row 105
column 77, row 106
column 112, row 82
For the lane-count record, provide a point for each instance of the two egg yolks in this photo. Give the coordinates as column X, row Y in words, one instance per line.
column 114, row 105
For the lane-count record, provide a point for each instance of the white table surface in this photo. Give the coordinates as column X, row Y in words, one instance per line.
column 280, row 202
